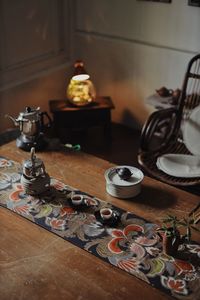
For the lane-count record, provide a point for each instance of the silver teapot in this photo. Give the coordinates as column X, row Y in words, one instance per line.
column 31, row 125
column 34, row 179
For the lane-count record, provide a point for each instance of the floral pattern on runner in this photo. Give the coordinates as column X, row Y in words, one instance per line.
column 131, row 244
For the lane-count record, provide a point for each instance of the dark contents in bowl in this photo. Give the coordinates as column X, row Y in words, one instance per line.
column 124, row 173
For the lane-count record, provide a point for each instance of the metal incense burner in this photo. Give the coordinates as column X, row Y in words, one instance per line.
column 34, row 179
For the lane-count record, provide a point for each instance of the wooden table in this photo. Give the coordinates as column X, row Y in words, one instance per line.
column 68, row 118
column 36, row 264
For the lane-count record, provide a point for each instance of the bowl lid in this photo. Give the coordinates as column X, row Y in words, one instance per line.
column 112, row 176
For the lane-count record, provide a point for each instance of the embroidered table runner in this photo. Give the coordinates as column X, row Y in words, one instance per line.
column 126, row 241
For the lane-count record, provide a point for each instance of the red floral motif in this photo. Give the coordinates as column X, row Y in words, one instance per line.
column 175, row 285
column 56, row 224
column 22, row 209
column 113, row 245
column 132, row 229
column 15, row 196
column 183, row 267
column 129, row 264
column 67, row 211
column 123, row 236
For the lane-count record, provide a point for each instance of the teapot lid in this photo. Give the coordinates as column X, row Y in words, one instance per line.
column 30, row 112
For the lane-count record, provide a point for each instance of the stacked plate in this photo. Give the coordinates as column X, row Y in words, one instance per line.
column 179, row 165
column 121, row 188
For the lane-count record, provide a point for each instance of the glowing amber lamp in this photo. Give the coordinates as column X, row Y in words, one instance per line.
column 80, row 90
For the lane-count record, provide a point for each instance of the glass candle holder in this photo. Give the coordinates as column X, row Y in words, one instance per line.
column 80, row 90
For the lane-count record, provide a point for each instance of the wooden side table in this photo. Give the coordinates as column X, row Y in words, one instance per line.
column 67, row 117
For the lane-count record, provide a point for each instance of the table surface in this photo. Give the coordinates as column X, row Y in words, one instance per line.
column 36, row 264
column 64, row 105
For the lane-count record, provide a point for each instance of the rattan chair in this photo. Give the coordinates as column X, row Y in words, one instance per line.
column 162, row 132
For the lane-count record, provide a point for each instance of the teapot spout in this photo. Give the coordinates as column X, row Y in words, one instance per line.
column 15, row 121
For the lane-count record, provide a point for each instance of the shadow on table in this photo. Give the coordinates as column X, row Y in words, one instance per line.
column 154, row 197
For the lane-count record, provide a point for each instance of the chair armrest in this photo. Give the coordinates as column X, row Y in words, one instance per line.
column 161, row 126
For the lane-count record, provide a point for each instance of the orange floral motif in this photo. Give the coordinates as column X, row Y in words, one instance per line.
column 66, row 211
column 128, row 264
column 56, row 224
column 183, row 267
column 176, row 285
column 22, row 209
column 125, row 236
column 15, row 195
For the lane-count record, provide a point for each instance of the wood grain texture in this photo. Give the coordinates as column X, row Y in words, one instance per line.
column 36, row 264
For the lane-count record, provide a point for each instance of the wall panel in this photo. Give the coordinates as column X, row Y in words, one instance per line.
column 134, row 47
column 35, row 36
column 175, row 25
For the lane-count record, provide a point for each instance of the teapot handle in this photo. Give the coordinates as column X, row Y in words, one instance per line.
column 43, row 114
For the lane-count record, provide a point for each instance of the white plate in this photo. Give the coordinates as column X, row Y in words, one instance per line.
column 179, row 165
column 191, row 131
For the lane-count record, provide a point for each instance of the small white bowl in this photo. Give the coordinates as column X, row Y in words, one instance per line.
column 120, row 188
column 77, row 199
column 106, row 213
